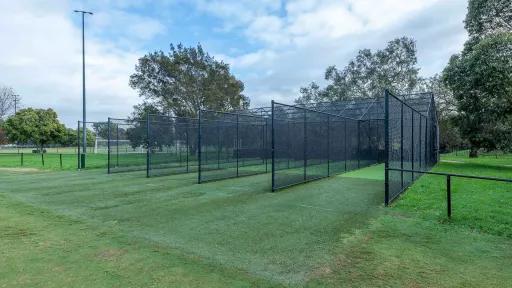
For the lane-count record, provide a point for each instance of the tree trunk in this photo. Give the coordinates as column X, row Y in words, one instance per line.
column 473, row 153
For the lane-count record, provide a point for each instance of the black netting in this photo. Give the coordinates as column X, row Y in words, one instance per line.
column 127, row 145
column 412, row 139
column 94, row 154
column 309, row 144
column 172, row 145
column 232, row 144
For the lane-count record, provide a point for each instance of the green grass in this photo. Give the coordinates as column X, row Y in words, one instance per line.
column 476, row 204
column 64, row 228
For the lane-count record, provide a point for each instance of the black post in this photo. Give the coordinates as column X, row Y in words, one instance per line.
column 345, row 140
column 218, row 145
column 386, row 147
column 272, row 151
column 108, row 146
column 287, row 143
column 328, row 145
column 237, row 145
column 42, row 157
column 60, row 158
column 117, row 145
column 186, row 142
column 449, row 195
column 78, row 155
column 419, row 144
column 148, row 147
column 21, row 158
column 412, row 144
column 426, row 142
column 358, row 144
column 305, row 145
column 401, row 144
column 199, row 148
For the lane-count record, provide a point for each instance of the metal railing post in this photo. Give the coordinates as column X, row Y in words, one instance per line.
column 108, row 145
column 386, row 147
column 328, row 145
column 402, row 144
column 305, row 146
column 199, row 148
column 148, row 147
column 449, row 196
column 272, row 151
column 237, row 145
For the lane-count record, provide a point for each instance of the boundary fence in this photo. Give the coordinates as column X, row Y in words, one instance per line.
column 448, row 182
column 411, row 141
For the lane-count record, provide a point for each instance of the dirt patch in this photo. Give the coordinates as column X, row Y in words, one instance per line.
column 452, row 161
column 19, row 170
column 110, row 254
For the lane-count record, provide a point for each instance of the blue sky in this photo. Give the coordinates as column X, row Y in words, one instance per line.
column 274, row 47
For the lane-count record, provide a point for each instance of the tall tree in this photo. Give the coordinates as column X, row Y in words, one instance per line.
column 481, row 80
column 480, row 77
column 186, row 80
column 7, row 99
column 37, row 126
column 369, row 73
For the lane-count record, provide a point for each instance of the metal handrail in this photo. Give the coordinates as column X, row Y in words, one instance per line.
column 448, row 182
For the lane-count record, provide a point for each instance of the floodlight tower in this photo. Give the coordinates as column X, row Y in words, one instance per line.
column 84, row 132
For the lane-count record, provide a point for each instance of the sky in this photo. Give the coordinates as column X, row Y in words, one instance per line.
column 273, row 46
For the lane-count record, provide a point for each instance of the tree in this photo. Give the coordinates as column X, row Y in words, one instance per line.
column 486, row 17
column 481, row 81
column 6, row 101
column 186, row 80
column 37, row 126
column 369, row 74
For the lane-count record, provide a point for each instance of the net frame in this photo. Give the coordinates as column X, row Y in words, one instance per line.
column 172, row 145
column 232, row 144
column 309, row 145
column 80, row 154
column 411, row 139
column 127, row 158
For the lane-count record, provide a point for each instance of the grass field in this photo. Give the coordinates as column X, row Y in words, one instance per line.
column 89, row 229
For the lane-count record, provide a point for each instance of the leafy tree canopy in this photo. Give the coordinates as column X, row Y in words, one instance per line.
column 186, row 80
column 486, row 17
column 369, row 74
column 37, row 126
column 481, row 81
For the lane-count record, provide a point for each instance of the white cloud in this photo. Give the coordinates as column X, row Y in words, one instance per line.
column 293, row 42
column 42, row 60
column 304, row 37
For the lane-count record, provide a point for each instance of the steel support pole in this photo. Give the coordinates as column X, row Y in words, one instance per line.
column 237, row 145
column 148, row 146
column 328, row 145
column 386, row 147
column 108, row 146
column 199, row 148
column 305, row 146
column 412, row 144
column 402, row 144
column 449, row 196
column 272, row 151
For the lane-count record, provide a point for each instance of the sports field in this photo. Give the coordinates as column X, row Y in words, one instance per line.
column 90, row 229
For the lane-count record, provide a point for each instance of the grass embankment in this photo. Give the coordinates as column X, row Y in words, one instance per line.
column 91, row 229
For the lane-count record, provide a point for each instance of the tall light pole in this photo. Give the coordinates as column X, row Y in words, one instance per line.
column 84, row 132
